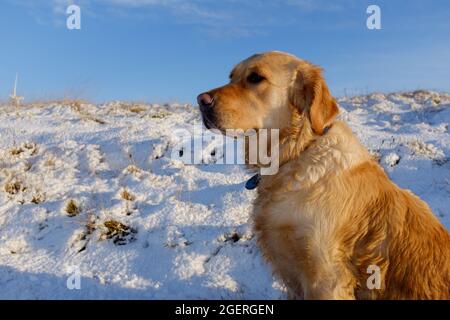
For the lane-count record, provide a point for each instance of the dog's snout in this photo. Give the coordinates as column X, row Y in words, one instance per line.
column 205, row 100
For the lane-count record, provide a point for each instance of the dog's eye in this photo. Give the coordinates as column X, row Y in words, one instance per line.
column 255, row 78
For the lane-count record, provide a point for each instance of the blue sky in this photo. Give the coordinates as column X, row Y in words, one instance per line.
column 171, row 50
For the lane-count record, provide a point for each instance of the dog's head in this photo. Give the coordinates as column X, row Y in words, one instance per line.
column 265, row 91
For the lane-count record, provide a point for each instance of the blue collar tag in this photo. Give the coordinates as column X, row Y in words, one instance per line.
column 253, row 182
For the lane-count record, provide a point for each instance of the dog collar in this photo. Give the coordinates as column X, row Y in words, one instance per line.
column 253, row 182
column 326, row 129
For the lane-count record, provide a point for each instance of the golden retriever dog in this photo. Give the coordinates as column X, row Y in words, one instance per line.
column 330, row 222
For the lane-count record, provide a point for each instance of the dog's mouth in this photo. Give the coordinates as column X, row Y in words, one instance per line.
column 209, row 120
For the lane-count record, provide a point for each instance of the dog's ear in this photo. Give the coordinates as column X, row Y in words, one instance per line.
column 310, row 93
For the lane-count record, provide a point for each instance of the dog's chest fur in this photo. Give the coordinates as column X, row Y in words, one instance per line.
column 291, row 234
column 293, row 220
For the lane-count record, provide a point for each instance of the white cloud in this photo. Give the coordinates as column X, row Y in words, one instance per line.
column 187, row 8
column 317, row 5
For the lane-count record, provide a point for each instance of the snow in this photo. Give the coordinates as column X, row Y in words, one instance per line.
column 94, row 191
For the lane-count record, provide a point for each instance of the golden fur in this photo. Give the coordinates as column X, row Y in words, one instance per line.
column 330, row 212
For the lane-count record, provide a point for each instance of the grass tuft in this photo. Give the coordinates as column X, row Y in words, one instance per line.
column 119, row 232
column 72, row 209
column 126, row 195
column 132, row 169
column 137, row 109
column 27, row 146
column 16, row 151
column 37, row 198
column 14, row 187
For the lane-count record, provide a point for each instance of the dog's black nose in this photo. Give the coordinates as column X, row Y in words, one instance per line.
column 205, row 100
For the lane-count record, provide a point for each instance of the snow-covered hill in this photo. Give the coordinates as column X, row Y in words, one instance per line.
column 92, row 193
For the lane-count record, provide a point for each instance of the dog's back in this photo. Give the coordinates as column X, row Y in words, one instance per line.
column 402, row 236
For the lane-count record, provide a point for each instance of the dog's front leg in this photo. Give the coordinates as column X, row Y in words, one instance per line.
column 329, row 282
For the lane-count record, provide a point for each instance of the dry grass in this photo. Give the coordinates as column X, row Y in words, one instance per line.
column 72, row 209
column 91, row 224
column 29, row 147
column 132, row 169
column 49, row 162
column 127, row 195
column 77, row 105
column 16, row 151
column 159, row 115
column 89, row 228
column 137, row 109
column 119, row 232
column 132, row 106
column 14, row 187
column 38, row 198
column 73, row 103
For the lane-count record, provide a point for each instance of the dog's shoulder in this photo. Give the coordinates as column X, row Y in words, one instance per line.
column 336, row 151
